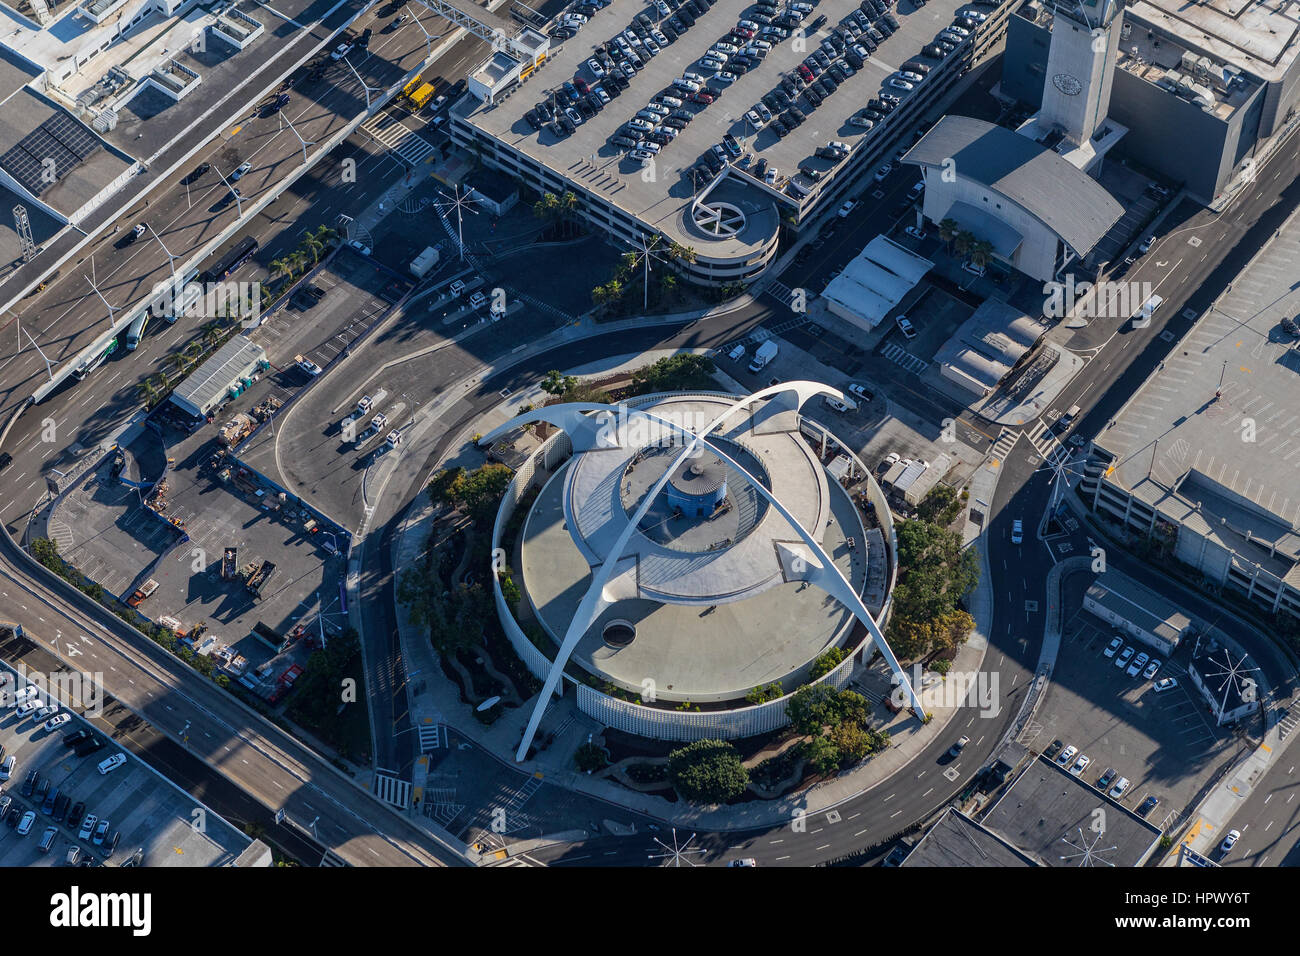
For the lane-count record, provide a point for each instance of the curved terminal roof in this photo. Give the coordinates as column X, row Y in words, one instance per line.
column 1066, row 200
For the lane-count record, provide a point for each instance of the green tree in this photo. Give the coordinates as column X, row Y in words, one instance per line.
column 980, row 251
column 590, row 758
column 675, row 373
column 440, row 484
column 826, row 663
column 761, row 695
column 940, row 506
column 707, row 771
column 948, row 230
column 822, row 755
column 556, row 383
column 479, row 492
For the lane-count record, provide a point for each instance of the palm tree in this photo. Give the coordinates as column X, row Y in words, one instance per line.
column 211, row 333
column 278, row 267
column 181, row 361
column 948, row 230
column 147, row 392
column 568, row 204
column 312, row 247
column 980, row 251
column 961, row 242
column 679, row 253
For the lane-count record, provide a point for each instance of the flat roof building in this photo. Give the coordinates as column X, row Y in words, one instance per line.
column 956, row 840
column 209, row 385
column 1227, row 682
column 1202, row 88
column 1137, row 611
column 1049, row 814
column 987, row 347
column 1201, row 459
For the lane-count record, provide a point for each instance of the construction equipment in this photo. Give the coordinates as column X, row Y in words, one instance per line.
column 229, row 564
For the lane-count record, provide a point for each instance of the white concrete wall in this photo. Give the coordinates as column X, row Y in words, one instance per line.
column 1036, row 256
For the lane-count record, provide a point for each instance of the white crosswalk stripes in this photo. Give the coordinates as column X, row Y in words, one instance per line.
column 431, row 737
column 904, row 359
column 1002, row 447
column 393, row 791
column 408, row 145
column 1049, row 449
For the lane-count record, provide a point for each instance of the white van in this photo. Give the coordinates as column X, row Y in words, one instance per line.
column 1149, row 307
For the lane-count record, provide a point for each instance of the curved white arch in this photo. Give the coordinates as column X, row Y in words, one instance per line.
column 823, row 573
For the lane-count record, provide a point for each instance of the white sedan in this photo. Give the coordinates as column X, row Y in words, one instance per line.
column 1080, row 764
column 56, row 722
column 898, row 84
column 597, row 70
column 883, row 172
column 846, row 208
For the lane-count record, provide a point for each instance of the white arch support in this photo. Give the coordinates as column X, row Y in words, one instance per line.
column 820, row 571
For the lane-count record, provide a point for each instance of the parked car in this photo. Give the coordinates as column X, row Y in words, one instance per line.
column 1067, row 755
column 1139, row 662
column 112, row 763
column 906, row 327
column 1164, row 684
column 1151, row 668
column 1125, row 656
column 1053, row 749
column 1080, row 764
column 1115, row 644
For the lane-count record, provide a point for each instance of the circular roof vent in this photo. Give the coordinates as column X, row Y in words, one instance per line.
column 719, row 219
column 619, row 633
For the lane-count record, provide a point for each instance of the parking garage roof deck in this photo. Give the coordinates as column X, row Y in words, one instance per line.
column 587, row 154
column 1180, row 448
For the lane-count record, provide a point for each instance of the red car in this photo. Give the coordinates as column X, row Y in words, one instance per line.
column 702, row 97
column 745, row 32
column 582, row 86
column 806, row 73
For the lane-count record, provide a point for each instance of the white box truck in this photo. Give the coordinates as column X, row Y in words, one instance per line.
column 425, row 261
column 763, row 355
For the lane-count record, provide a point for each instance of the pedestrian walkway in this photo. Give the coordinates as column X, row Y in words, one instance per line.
column 432, row 736
column 904, row 359
column 393, row 790
column 1049, row 448
column 402, row 141
column 1006, row 441
column 781, row 292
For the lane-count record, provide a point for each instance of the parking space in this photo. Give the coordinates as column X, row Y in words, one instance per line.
column 147, row 813
column 1159, row 738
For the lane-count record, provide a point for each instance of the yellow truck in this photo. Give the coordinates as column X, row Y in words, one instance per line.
column 421, row 95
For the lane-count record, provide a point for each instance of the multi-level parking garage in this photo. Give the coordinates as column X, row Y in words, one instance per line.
column 733, row 220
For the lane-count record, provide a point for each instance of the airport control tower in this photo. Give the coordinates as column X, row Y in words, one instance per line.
column 1080, row 64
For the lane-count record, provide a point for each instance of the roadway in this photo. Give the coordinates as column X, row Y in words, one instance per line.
column 1114, row 369
column 1116, row 365
column 69, row 315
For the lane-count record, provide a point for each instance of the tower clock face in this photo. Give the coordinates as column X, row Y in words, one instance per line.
column 1067, row 84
